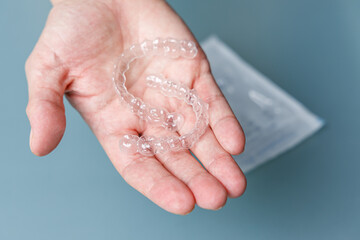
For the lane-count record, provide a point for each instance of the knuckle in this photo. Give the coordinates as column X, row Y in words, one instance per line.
column 171, row 159
column 214, row 98
column 222, row 119
column 28, row 64
column 221, row 157
column 196, row 178
column 128, row 168
column 28, row 110
column 131, row 168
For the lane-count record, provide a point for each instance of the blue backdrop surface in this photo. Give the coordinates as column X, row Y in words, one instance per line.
column 309, row 48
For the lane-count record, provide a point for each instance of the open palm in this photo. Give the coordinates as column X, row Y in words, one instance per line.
column 75, row 56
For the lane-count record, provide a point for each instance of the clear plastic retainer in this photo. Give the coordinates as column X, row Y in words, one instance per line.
column 150, row 145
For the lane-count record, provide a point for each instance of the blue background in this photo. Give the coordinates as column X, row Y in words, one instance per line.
column 309, row 48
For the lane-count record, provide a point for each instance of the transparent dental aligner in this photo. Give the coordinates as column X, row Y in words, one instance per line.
column 150, row 145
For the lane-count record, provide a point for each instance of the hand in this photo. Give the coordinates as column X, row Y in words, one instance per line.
column 75, row 56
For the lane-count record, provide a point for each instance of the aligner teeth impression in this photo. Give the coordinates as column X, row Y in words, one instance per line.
column 150, row 145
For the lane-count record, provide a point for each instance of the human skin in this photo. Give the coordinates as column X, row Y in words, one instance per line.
column 75, row 57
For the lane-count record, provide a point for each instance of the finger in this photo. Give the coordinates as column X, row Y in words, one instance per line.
column 149, row 177
column 207, row 190
column 215, row 159
column 145, row 174
column 223, row 122
column 110, row 122
column 220, row 164
column 45, row 108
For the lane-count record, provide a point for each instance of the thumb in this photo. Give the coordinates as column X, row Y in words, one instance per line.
column 45, row 108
